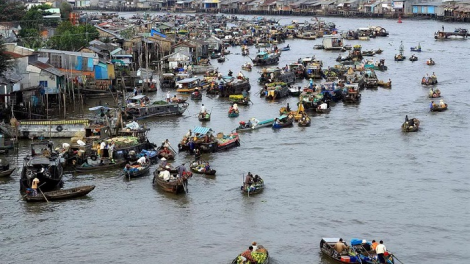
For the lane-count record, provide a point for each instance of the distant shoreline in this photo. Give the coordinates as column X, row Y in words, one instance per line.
column 278, row 13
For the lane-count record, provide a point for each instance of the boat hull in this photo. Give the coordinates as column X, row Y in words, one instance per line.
column 61, row 194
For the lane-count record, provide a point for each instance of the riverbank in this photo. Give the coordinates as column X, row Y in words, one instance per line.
column 321, row 13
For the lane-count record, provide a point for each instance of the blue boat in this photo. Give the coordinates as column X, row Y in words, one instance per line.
column 417, row 49
column 283, row 121
column 285, row 48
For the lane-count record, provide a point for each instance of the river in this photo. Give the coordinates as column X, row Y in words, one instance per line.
column 353, row 173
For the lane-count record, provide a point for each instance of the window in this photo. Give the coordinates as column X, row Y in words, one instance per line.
column 43, row 84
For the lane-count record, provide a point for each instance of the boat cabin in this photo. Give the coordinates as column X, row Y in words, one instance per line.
column 333, row 42
column 188, row 85
column 43, row 148
column 167, row 80
column 138, row 100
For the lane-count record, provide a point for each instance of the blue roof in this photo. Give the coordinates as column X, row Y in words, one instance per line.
column 262, row 53
column 202, row 130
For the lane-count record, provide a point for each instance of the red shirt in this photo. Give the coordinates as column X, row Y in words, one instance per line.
column 247, row 255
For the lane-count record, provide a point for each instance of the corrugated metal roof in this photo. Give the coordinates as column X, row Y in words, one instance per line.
column 202, row 130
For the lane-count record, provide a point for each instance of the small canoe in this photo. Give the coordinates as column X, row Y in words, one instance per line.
column 439, row 108
column 196, row 96
column 175, row 184
column 430, row 62
column 379, row 51
column 405, row 127
column 264, row 123
column 168, row 154
column 385, row 84
column 283, row 122
column 413, row 58
column 6, row 173
column 103, row 167
column 234, row 114
column 61, row 194
column 204, row 117
column 199, row 167
column 221, row 59
column 285, row 48
column 137, row 171
column 304, row 122
column 323, row 111
column 261, row 256
column 254, row 188
column 417, row 49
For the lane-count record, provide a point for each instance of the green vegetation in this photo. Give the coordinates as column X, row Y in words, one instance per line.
column 11, row 11
column 72, row 38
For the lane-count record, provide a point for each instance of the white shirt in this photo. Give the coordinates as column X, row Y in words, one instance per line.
column 235, row 107
column 323, row 106
column 380, row 249
column 165, row 175
column 142, row 160
column 203, row 109
column 168, row 95
column 103, row 145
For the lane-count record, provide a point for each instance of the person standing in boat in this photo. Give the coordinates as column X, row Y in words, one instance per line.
column 166, row 143
column 181, row 170
column 248, row 180
column 203, row 110
column 135, row 91
column 34, row 186
column 380, row 250
column 168, row 96
column 111, row 150
column 197, row 154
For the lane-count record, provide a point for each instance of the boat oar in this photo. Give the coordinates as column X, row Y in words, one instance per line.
column 395, row 257
column 43, row 194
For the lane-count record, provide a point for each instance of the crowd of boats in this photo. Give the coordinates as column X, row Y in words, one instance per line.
column 116, row 139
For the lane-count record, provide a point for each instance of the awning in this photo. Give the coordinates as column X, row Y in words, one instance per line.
column 202, row 130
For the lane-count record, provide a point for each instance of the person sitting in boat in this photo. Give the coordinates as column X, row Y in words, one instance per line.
column 432, row 105
column 257, row 178
column 249, row 124
column 189, row 133
column 246, row 256
column 240, row 75
column 366, row 245
column 196, row 92
column 174, row 99
column 433, row 75
column 207, row 168
column 323, row 106
column 431, row 61
column 235, row 107
column 165, row 151
column 165, row 173
column 230, row 73
column 441, row 103
column 340, row 246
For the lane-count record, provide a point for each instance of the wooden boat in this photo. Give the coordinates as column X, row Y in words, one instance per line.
column 413, row 58
column 225, row 142
column 406, row 127
column 6, row 173
column 105, row 167
column 434, row 93
column 234, row 113
column 178, row 100
column 203, row 117
column 199, row 167
column 379, row 51
column 400, row 57
column 167, row 153
column 283, row 121
column 61, row 194
column 368, row 53
column 137, row 110
column 287, row 48
column 196, row 95
column 430, row 62
column 416, row 49
column 174, row 184
column 356, row 253
column 253, row 125
column 264, row 58
column 254, row 188
column 385, row 84
column 221, row 59
column 136, row 171
column 438, row 108
column 261, row 256
column 305, row 121
column 45, row 165
column 429, row 80
column 247, row 67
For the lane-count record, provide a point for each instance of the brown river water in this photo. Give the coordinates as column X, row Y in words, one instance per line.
column 353, row 173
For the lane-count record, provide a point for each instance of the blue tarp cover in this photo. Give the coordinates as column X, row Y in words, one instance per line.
column 202, row 130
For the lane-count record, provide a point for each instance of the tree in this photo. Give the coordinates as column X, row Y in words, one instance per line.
column 32, row 25
column 70, row 37
column 65, row 10
column 5, row 63
column 11, row 11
